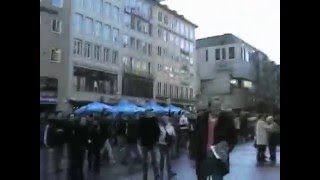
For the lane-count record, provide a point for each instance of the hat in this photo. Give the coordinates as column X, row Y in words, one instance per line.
column 270, row 119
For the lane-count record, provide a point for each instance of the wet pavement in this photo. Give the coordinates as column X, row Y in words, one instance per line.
column 243, row 167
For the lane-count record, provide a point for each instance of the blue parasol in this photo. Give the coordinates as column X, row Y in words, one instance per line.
column 95, row 107
column 153, row 106
column 126, row 107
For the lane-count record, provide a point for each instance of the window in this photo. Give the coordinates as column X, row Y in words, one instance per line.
column 166, row 21
column 165, row 89
column 115, row 13
column 164, row 37
column 77, row 22
column 181, row 43
column 98, row 6
column 159, row 67
column 191, row 48
column 114, row 57
column 127, row 20
column 170, row 91
column 115, row 34
column 125, row 40
column 181, row 92
column 177, row 41
column 247, row 55
column 106, row 32
column 57, row 3
column 55, row 55
column 144, row 47
column 207, row 55
column 56, row 26
column 177, row 91
column 231, row 53
column 191, row 93
column 217, row 54
column 138, row 44
column 223, row 53
column 97, row 52
column 98, row 28
column 160, row 33
column 106, row 9
column 160, row 16
column 181, row 28
column 88, row 4
column 187, row 93
column 79, row 4
column 150, row 50
column 132, row 42
column 159, row 88
column 171, row 37
column 167, row 37
column 149, row 68
column 89, row 26
column 247, row 84
column 106, row 52
column 159, row 51
column 87, row 49
column 77, row 47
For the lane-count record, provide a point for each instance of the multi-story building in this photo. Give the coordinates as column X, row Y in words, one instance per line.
column 112, row 49
column 226, row 71
column 54, row 52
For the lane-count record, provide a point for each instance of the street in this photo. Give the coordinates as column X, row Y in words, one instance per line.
column 243, row 167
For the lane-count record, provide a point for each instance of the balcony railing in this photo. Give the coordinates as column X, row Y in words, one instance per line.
column 142, row 73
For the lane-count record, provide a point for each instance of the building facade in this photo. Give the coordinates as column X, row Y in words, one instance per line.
column 227, row 67
column 112, row 49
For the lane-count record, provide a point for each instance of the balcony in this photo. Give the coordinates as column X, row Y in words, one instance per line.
column 141, row 73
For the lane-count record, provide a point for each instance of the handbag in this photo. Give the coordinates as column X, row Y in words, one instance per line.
column 213, row 166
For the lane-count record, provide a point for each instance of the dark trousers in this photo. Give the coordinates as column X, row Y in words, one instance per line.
column 76, row 161
column 213, row 177
column 94, row 160
column 273, row 151
column 261, row 152
column 145, row 153
column 57, row 158
column 165, row 156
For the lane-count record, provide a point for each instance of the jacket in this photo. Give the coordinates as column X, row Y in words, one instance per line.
column 163, row 130
column 148, row 132
column 261, row 132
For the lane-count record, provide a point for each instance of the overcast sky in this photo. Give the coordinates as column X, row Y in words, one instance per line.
column 255, row 21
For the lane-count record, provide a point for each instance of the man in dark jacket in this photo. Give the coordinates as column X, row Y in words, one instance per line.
column 148, row 135
column 55, row 138
column 95, row 142
column 77, row 141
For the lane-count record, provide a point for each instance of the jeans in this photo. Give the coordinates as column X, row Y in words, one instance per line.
column 132, row 147
column 261, row 153
column 76, row 162
column 165, row 156
column 154, row 152
column 57, row 158
column 94, row 160
column 273, row 151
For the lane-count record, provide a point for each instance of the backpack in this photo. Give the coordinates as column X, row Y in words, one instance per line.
column 169, row 139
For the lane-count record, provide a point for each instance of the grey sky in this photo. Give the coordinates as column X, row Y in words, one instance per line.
column 255, row 21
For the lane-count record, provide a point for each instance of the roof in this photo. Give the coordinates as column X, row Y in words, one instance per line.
column 165, row 7
column 219, row 40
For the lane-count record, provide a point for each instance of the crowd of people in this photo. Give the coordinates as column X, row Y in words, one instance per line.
column 93, row 138
column 209, row 138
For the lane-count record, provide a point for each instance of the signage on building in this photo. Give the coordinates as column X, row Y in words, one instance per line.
column 48, row 90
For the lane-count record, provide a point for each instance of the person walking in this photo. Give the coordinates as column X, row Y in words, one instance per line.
column 272, row 138
column 94, row 145
column 167, row 136
column 262, row 138
column 148, row 136
column 216, row 137
column 77, row 141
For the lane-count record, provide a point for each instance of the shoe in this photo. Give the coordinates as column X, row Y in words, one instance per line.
column 171, row 174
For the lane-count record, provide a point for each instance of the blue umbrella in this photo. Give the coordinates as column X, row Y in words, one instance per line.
column 95, row 107
column 127, row 107
column 153, row 106
column 173, row 108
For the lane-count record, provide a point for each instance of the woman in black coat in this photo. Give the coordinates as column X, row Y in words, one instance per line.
column 224, row 130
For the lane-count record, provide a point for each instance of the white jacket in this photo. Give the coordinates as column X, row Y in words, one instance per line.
column 163, row 129
column 261, row 132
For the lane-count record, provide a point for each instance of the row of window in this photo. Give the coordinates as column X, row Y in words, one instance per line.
column 163, row 52
column 171, row 70
column 173, row 91
column 95, row 28
column 87, row 80
column 241, row 83
column 137, row 44
column 136, row 65
column 95, row 51
column 136, row 23
column 100, row 7
column 139, row 7
column 56, row 25
column 182, row 43
column 221, row 53
column 176, row 25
